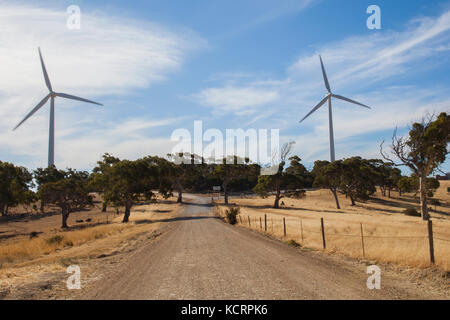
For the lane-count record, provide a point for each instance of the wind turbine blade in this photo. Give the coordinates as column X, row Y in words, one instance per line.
column 68, row 96
column 44, row 70
column 350, row 100
column 321, row 103
column 325, row 78
column 40, row 104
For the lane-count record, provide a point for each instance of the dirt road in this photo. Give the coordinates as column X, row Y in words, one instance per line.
column 203, row 258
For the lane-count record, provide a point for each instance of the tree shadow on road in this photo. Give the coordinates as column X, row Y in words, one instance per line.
column 184, row 218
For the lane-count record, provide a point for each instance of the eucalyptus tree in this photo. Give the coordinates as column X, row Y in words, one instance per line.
column 70, row 193
column 328, row 175
column 423, row 150
column 274, row 184
column 15, row 184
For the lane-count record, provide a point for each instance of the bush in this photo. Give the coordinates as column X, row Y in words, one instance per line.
column 55, row 239
column 293, row 243
column 33, row 234
column 412, row 212
column 448, row 189
column 231, row 215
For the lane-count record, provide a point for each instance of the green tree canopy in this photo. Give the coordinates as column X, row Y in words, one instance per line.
column 422, row 151
column 275, row 183
column 70, row 193
column 15, row 184
column 328, row 175
column 128, row 182
column 358, row 179
column 231, row 169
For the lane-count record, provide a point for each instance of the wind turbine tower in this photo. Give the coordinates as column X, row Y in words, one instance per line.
column 330, row 110
column 52, row 95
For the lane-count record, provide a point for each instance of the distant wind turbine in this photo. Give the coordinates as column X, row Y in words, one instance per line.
column 52, row 95
column 330, row 111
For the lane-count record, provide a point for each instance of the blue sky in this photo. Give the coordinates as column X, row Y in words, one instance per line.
column 159, row 65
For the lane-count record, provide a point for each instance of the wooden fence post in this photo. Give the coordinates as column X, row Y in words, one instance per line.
column 430, row 240
column 265, row 222
column 260, row 223
column 284, row 226
column 240, row 219
column 323, row 234
column 301, row 229
column 249, row 224
column 362, row 241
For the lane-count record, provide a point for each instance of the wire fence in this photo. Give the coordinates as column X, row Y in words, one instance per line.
column 355, row 238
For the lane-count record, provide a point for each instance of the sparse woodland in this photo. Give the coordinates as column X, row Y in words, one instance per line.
column 120, row 196
column 124, row 183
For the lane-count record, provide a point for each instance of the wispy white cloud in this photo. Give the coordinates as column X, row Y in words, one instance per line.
column 362, row 68
column 109, row 56
column 241, row 101
column 283, row 8
column 268, row 11
column 382, row 55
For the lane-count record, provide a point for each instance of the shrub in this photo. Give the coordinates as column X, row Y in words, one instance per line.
column 412, row 212
column 448, row 189
column 231, row 215
column 293, row 243
column 33, row 234
column 68, row 243
column 55, row 239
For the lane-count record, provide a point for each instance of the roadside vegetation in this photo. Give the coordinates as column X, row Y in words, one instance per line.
column 122, row 186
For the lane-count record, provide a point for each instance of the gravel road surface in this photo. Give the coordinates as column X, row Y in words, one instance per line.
column 201, row 257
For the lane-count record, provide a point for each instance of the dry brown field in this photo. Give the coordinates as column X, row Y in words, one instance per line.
column 389, row 236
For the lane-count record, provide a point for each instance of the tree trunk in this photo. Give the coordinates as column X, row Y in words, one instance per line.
column 389, row 193
column 64, row 216
column 336, row 198
column 276, row 204
column 352, row 200
column 42, row 206
column 105, row 204
column 423, row 198
column 225, row 193
column 5, row 210
column 180, row 196
column 126, row 216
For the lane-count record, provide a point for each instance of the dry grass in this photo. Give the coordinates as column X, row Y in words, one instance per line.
column 33, row 248
column 23, row 260
column 25, row 263
column 389, row 235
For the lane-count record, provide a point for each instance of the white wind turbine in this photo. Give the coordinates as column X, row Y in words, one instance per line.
column 52, row 95
column 330, row 111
